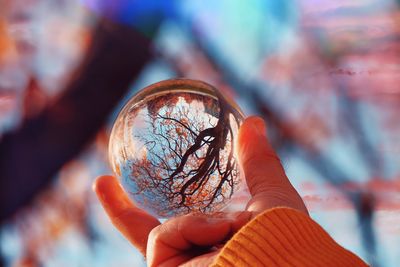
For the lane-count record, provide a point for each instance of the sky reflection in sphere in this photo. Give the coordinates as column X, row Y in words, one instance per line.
column 172, row 146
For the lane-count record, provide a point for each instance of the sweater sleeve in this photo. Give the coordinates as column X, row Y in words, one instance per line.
column 284, row 237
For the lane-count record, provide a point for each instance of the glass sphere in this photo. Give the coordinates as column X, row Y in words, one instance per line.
column 172, row 147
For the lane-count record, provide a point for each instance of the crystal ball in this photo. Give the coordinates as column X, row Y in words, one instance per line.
column 172, row 147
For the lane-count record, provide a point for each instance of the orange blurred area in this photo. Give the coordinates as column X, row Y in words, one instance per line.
column 7, row 45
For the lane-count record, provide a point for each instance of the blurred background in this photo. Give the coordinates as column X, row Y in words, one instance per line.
column 324, row 74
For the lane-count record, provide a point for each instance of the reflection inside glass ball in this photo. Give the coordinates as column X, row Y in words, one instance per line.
column 172, row 146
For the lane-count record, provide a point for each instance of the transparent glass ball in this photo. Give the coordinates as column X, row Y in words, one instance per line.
column 172, row 147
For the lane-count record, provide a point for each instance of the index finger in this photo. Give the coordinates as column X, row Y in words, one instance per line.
column 261, row 165
column 265, row 176
column 135, row 224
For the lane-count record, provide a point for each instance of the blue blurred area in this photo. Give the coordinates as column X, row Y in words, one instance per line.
column 144, row 15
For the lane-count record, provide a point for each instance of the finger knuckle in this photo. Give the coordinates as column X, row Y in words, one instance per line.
column 155, row 234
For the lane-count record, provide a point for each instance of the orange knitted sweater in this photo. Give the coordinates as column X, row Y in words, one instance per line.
column 284, row 237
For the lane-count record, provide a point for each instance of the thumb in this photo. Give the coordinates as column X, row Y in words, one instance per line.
column 265, row 176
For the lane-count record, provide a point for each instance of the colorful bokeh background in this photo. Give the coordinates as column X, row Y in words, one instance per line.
column 324, row 74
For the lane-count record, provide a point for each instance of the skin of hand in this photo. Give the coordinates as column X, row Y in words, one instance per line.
column 193, row 239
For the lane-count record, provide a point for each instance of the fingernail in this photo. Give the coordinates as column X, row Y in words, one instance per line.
column 259, row 126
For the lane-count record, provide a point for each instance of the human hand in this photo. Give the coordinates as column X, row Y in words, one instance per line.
column 194, row 240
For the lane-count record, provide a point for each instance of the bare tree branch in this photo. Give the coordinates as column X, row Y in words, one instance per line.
column 191, row 166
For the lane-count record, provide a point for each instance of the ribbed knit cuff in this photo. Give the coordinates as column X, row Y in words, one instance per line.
column 284, row 237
